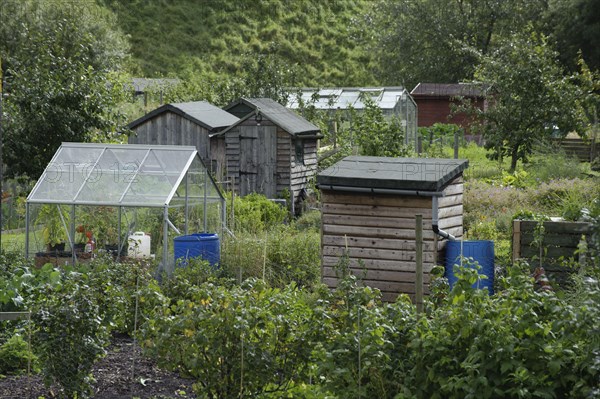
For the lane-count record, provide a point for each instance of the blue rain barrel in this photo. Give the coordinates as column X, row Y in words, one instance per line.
column 203, row 245
column 481, row 251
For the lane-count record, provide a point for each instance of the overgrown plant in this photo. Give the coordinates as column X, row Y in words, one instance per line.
column 70, row 335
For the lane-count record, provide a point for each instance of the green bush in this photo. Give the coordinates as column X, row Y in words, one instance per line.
column 254, row 213
column 70, row 334
column 237, row 342
column 281, row 256
column 15, row 356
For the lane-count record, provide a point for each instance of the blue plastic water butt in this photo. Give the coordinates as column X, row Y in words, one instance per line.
column 203, row 245
column 481, row 251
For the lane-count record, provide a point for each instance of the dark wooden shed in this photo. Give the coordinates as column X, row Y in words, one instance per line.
column 189, row 123
column 435, row 101
column 368, row 211
column 270, row 150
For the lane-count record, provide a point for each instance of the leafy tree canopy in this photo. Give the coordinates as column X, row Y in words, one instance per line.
column 438, row 40
column 60, row 61
column 530, row 97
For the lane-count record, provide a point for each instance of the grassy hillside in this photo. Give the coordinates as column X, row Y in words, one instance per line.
column 323, row 41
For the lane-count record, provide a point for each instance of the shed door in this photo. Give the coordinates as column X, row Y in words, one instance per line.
column 258, row 156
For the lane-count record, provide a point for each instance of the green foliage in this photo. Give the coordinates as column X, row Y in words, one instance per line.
column 444, row 36
column 280, row 256
column 254, row 213
column 374, row 134
column 527, row 80
column 54, row 218
column 323, row 41
column 436, row 136
column 237, row 342
column 60, row 61
column 15, row 356
column 126, row 293
column 69, row 322
column 573, row 27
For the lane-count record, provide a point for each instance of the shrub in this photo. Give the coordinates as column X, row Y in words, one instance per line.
column 15, row 356
column 254, row 213
column 69, row 334
column 115, row 287
column 237, row 342
column 281, row 256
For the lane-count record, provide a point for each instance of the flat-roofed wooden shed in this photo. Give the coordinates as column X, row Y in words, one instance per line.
column 369, row 206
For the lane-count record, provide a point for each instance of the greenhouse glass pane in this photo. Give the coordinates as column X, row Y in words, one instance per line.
column 110, row 177
column 65, row 175
column 151, row 185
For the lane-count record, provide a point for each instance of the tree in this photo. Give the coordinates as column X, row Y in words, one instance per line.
column 575, row 27
column 530, row 98
column 61, row 61
column 438, row 41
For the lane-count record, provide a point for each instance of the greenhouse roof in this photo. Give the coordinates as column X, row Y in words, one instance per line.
column 123, row 175
column 346, row 97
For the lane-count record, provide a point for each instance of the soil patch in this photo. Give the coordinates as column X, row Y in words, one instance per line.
column 123, row 374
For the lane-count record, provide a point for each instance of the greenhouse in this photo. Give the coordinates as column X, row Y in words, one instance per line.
column 94, row 198
column 394, row 102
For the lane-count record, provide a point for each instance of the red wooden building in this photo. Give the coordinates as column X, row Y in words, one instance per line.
column 434, row 101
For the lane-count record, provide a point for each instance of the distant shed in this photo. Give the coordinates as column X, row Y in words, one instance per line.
column 369, row 206
column 270, row 149
column 188, row 123
column 435, row 101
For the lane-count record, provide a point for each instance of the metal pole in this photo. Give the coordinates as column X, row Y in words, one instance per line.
column 419, row 258
column 119, row 232
column 72, row 235
column 166, row 265
column 187, row 204
column 27, row 230
column 205, row 195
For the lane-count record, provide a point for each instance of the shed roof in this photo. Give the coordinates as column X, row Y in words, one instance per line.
column 415, row 174
column 276, row 113
column 449, row 90
column 123, row 175
column 202, row 113
column 346, row 97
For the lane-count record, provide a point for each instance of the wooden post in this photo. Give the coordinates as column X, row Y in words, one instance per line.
column 516, row 242
column 419, row 145
column 419, row 258
column 456, row 145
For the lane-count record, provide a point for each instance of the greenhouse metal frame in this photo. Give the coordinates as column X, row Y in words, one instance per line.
column 126, row 176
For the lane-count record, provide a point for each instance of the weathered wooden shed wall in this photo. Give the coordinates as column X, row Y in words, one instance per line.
column 450, row 213
column 169, row 128
column 263, row 159
column 271, row 150
column 377, row 232
column 192, row 123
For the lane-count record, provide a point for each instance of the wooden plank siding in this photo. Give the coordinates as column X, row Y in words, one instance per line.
column 377, row 232
column 169, row 128
column 284, row 159
column 302, row 171
column 560, row 243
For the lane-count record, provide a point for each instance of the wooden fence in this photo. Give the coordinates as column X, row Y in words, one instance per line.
column 585, row 150
column 559, row 242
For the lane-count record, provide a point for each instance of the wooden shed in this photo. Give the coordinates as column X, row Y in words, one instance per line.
column 270, row 150
column 435, row 101
column 368, row 211
column 189, row 123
